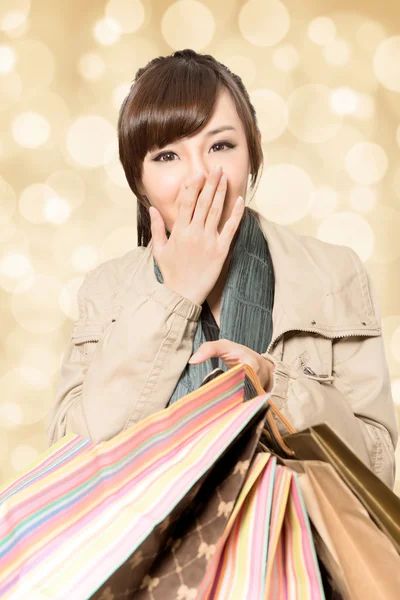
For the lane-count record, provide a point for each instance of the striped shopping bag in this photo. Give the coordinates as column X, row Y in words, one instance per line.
column 267, row 550
column 107, row 520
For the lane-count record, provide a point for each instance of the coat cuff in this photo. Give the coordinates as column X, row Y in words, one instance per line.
column 174, row 302
column 281, row 375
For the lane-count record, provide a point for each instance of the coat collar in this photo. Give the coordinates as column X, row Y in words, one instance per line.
column 319, row 287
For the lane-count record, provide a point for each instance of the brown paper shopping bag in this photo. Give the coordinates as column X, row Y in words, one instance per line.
column 369, row 565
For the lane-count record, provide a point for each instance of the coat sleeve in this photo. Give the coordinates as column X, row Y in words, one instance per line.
column 115, row 372
column 357, row 404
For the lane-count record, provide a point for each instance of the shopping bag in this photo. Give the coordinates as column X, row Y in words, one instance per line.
column 368, row 561
column 196, row 534
column 226, row 573
column 267, row 549
column 320, row 442
column 90, row 517
column 181, row 564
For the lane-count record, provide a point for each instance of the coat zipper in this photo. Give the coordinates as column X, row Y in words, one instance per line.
column 329, row 337
column 307, row 370
column 85, row 340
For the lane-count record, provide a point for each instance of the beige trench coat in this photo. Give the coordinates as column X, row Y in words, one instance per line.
column 134, row 337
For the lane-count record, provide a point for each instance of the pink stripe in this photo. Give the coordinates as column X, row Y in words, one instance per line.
column 47, row 494
column 53, row 457
column 307, row 554
column 261, row 517
column 220, row 443
column 175, row 491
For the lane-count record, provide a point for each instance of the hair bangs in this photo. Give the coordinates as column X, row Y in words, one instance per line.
column 180, row 103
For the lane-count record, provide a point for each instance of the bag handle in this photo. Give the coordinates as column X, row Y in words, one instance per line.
column 271, row 421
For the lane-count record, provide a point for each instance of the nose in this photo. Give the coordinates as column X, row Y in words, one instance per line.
column 200, row 166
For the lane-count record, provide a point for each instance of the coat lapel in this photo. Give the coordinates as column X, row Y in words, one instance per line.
column 318, row 286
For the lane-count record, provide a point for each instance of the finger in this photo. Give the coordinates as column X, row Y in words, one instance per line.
column 206, row 197
column 188, row 198
column 230, row 227
column 216, row 208
column 204, row 352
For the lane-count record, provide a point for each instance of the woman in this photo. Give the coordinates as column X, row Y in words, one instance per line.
column 214, row 278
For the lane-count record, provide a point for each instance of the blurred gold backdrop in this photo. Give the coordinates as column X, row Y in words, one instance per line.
column 324, row 77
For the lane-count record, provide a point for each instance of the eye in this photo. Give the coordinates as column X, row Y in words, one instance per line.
column 163, row 154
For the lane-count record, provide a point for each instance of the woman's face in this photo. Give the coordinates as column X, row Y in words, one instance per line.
column 166, row 169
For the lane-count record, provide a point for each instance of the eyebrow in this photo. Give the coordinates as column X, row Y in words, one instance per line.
column 219, row 129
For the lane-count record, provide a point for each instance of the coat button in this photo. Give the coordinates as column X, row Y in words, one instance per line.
column 363, row 323
column 313, row 322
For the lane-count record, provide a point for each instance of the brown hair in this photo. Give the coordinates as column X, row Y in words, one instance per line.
column 170, row 98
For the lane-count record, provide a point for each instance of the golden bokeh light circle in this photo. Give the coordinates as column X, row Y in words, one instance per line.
column 71, row 236
column 91, row 66
column 369, row 35
column 196, row 25
column 337, row 53
column 278, row 186
column 118, row 242
column 344, row 100
column 243, row 66
column 33, row 201
column 68, row 298
column 395, row 385
column 386, row 63
column 30, row 129
column 107, row 31
column 390, row 327
column 130, row 15
column 68, row 184
column 31, row 390
column 311, row 118
column 36, row 64
column 366, row 108
column 7, row 59
column 13, row 13
column 348, row 229
column 113, row 166
column 36, row 309
column 33, row 351
column 84, row 258
column 264, row 22
column 321, row 31
column 88, row 138
column 286, row 57
column 272, row 113
column 386, row 223
column 366, row 163
column 119, row 94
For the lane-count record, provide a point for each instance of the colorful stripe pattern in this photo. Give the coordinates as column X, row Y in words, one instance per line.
column 81, row 510
column 68, row 522
column 269, row 551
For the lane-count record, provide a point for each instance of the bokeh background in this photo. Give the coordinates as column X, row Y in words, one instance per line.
column 324, row 77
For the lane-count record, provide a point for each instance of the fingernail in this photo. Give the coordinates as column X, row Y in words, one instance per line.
column 217, row 168
column 199, row 174
column 239, row 201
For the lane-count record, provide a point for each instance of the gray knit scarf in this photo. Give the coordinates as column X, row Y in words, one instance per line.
column 246, row 304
